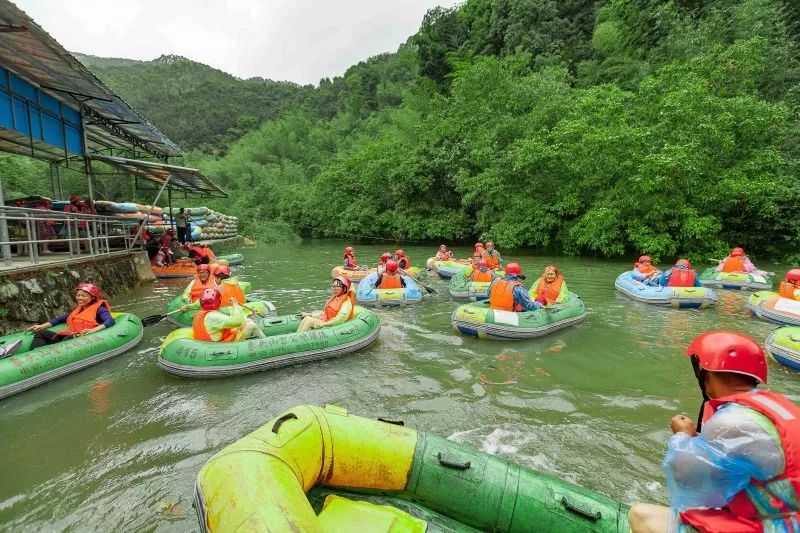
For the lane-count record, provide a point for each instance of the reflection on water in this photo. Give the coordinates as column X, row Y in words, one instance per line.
column 117, row 446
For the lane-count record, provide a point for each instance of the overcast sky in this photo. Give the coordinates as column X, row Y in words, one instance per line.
column 294, row 40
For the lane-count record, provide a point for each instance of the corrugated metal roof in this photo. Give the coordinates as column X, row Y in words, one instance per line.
column 190, row 180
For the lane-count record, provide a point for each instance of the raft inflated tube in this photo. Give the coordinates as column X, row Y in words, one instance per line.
column 354, row 276
column 230, row 259
column 735, row 280
column 479, row 320
column 784, row 345
column 677, row 297
column 375, row 473
column 448, row 269
column 476, row 291
column 184, row 319
column 182, row 355
column 367, row 294
column 28, row 368
column 772, row 307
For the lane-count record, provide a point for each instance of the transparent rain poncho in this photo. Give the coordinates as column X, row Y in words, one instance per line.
column 735, row 445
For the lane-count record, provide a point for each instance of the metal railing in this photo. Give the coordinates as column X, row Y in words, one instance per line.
column 37, row 233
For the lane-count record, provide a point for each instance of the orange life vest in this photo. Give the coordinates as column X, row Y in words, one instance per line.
column 741, row 515
column 680, row 277
column 202, row 334
column 83, row 318
column 733, row 264
column 444, row 256
column 198, row 287
column 551, row 291
column 390, row 281
column 231, row 291
column 787, row 290
column 404, row 262
column 645, row 269
column 350, row 261
column 492, row 261
column 502, row 295
column 481, row 276
column 334, row 304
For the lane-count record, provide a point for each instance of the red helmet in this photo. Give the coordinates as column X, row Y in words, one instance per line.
column 684, row 263
column 478, row 245
column 92, row 289
column 344, row 282
column 348, row 250
column 210, row 299
column 513, row 269
column 74, row 199
column 728, row 351
column 391, row 266
column 222, row 270
column 205, row 267
column 385, row 257
column 643, row 258
column 737, row 252
column 399, row 253
column 483, row 264
column 793, row 275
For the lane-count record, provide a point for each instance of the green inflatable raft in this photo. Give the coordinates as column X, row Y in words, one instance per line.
column 28, row 368
column 184, row 356
column 735, row 280
column 784, row 345
column 184, row 319
column 478, row 320
column 476, row 291
column 230, row 259
column 318, row 469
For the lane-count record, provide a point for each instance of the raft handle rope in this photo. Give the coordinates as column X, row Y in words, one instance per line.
column 594, row 517
column 279, row 422
column 450, row 464
column 395, row 422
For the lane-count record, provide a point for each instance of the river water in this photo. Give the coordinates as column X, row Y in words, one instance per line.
column 118, row 446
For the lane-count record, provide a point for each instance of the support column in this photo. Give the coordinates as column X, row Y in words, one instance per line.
column 6, row 248
column 171, row 214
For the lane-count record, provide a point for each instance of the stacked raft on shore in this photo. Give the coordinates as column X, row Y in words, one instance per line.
column 322, row 469
column 677, row 297
column 29, row 368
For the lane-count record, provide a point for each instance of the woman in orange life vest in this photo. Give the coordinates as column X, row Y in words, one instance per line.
column 550, row 288
column 92, row 314
column 681, row 275
column 391, row 279
column 349, row 262
column 444, row 254
column 492, row 256
column 403, row 261
column 339, row 308
column 644, row 271
column 229, row 288
column 202, row 280
column 790, row 286
column 478, row 250
column 211, row 325
column 736, row 261
column 509, row 294
column 480, row 271
column 738, row 470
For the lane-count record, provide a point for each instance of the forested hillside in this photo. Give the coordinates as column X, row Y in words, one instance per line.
column 582, row 126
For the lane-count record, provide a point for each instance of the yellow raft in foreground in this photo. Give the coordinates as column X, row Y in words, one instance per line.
column 366, row 475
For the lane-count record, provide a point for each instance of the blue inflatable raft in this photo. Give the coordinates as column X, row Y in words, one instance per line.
column 678, row 297
column 368, row 295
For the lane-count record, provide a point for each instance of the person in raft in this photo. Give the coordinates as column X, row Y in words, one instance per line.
column 444, row 254
column 736, row 261
column 199, row 254
column 339, row 308
column 479, row 249
column 509, row 294
column 480, row 271
column 681, row 275
column 211, row 325
column 492, row 257
column 227, row 286
column 391, row 278
column 349, row 262
column 738, row 470
column 403, row 261
column 382, row 265
column 644, row 271
column 92, row 314
column 202, row 281
column 790, row 286
column 550, row 288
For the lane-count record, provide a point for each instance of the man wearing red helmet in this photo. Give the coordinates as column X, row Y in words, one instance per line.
column 92, row 314
column 645, row 272
column 480, row 271
column 211, row 325
column 391, row 278
column 790, row 286
column 738, row 470
column 383, row 260
column 509, row 294
column 339, row 308
column 681, row 275
column 736, row 261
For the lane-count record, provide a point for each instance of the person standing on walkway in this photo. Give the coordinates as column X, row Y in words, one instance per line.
column 182, row 223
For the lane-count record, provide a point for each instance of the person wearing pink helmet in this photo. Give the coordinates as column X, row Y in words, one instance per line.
column 349, row 262
column 478, row 250
column 383, row 260
column 790, row 286
column 645, row 271
column 681, row 275
column 508, row 293
column 91, row 314
column 738, row 469
column 340, row 307
column 211, row 325
column 736, row 261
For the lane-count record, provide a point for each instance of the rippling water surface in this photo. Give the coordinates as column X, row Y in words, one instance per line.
column 117, row 446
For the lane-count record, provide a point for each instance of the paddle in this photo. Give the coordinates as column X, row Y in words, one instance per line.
column 430, row 290
column 155, row 319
